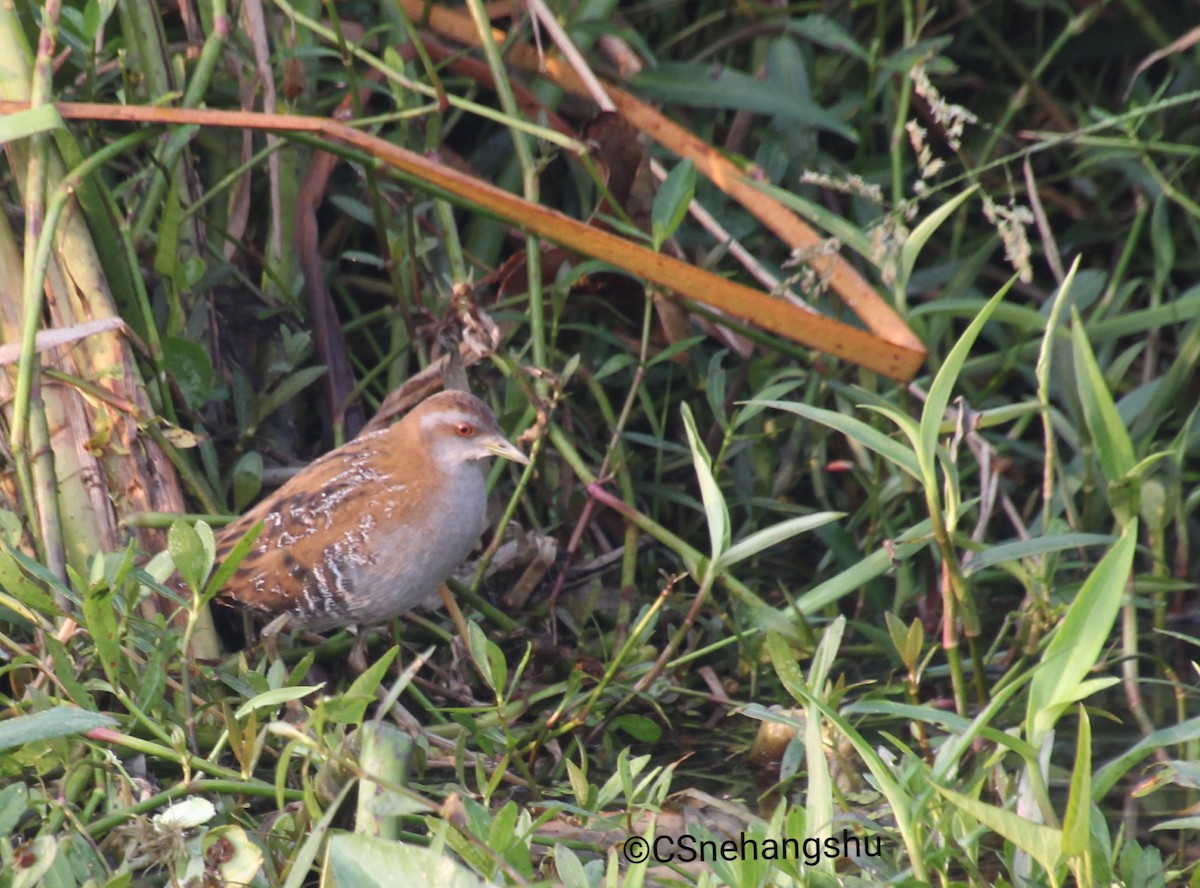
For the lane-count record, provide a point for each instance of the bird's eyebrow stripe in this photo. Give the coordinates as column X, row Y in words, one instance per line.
column 443, row 416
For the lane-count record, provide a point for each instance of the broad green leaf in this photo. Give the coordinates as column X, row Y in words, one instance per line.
column 785, row 71
column 385, row 755
column 503, row 832
column 783, row 658
column 1079, row 639
column 21, row 594
column 188, row 552
column 825, row 31
column 1090, row 686
column 615, row 364
column 579, row 785
column 1142, row 466
column 190, row 272
column 62, row 721
column 192, row 369
column 11, row 528
column 639, row 727
column 715, row 387
column 117, row 565
column 291, row 386
column 498, row 667
column 1162, row 238
column 907, row 640
column 366, row 861
column 23, row 124
column 227, row 567
column 674, row 349
column 102, row 619
column 1042, row 843
column 276, row 697
column 568, row 369
column 671, row 202
column 479, row 653
column 826, row 653
column 247, row 479
column 95, row 14
column 1110, row 774
column 14, row 800
column 350, row 706
column 569, row 869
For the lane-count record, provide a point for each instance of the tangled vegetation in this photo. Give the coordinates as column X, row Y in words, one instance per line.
column 900, row 592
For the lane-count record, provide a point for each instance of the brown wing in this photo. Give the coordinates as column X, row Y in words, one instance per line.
column 318, row 528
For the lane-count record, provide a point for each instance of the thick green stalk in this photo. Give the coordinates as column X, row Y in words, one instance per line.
column 20, row 440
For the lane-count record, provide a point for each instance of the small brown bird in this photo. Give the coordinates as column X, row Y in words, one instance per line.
column 372, row 529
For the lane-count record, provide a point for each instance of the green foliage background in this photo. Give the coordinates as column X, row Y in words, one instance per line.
column 978, row 661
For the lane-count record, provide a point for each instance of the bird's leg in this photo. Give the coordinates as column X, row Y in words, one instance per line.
column 358, row 651
column 456, row 614
column 270, row 634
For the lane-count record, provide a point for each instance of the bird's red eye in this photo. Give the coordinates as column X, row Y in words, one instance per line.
column 464, row 429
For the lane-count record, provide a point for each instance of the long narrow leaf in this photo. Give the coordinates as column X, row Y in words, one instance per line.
column 855, row 429
column 102, row 618
column 924, row 230
column 774, row 535
column 1014, row 551
column 1042, row 843
column 819, row 802
column 1176, row 735
column 947, row 377
column 715, row 509
column 1077, row 820
column 866, row 569
column 49, row 724
column 1114, row 447
column 1079, row 639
